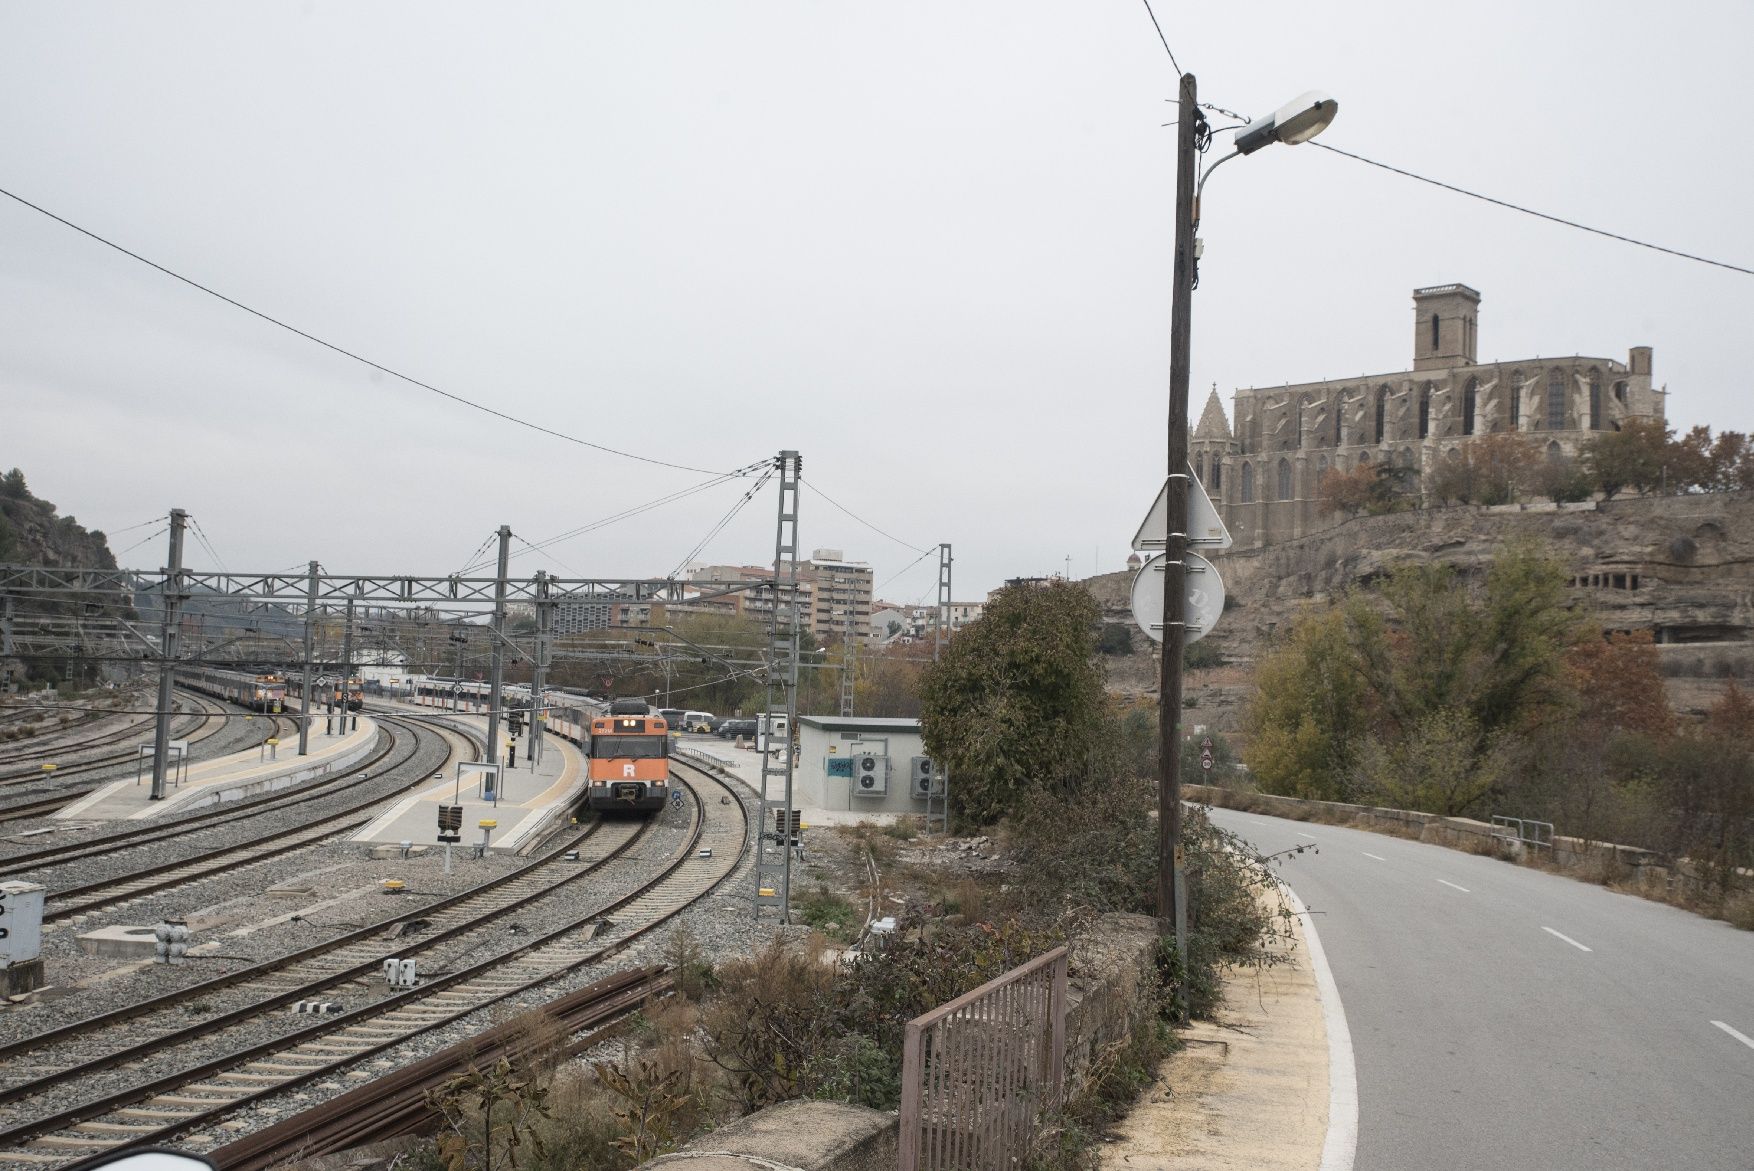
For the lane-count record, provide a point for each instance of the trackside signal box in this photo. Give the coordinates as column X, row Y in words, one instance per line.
column 450, row 823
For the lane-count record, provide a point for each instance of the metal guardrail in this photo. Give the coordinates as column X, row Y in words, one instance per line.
column 1528, row 831
column 978, row 1073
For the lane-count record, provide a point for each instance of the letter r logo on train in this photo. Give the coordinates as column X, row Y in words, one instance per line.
column 627, row 769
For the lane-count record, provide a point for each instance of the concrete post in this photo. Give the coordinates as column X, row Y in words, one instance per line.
column 498, row 637
column 169, row 596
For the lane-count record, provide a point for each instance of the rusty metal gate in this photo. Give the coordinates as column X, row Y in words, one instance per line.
column 978, row 1073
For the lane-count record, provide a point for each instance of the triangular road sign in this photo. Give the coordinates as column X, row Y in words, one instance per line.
column 1205, row 529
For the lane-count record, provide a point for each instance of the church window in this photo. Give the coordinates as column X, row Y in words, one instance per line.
column 1321, row 465
column 1554, row 452
column 1217, row 473
column 1382, row 402
column 1516, row 400
column 1620, row 392
column 1469, row 394
column 1434, row 333
column 1595, row 400
column 1248, row 483
column 1285, row 479
column 1363, row 458
column 1340, row 419
column 1200, row 468
column 1556, row 399
column 1425, row 410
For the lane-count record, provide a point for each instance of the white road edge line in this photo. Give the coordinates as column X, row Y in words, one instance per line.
column 1301, row 834
column 1566, row 938
column 1463, row 889
column 1368, row 854
column 1736, row 1033
column 1340, row 1148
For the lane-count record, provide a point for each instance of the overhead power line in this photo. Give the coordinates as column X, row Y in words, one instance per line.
column 1537, row 214
column 1161, row 37
column 311, row 337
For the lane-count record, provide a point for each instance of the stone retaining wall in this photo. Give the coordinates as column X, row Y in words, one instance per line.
column 1641, row 868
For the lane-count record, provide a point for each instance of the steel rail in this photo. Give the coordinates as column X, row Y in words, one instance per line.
column 209, row 818
column 397, row 1103
column 553, row 942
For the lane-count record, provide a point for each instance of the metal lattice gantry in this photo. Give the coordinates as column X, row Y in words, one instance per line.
column 116, row 595
column 777, row 822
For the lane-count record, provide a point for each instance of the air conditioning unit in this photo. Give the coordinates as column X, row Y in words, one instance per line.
column 920, row 778
column 870, row 775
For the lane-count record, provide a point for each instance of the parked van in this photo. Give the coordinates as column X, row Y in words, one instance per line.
column 702, row 722
column 773, row 732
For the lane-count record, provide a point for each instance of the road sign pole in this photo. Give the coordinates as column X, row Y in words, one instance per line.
column 1170, row 905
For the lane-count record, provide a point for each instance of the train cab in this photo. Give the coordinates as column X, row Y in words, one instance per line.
column 629, row 762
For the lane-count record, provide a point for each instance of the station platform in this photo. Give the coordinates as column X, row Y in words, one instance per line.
column 228, row 778
column 529, row 799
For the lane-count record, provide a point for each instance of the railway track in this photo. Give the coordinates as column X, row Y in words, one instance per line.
column 184, row 728
column 226, row 814
column 171, row 1101
column 397, row 1103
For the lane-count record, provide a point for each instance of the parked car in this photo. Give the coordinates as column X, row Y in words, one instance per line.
column 731, row 729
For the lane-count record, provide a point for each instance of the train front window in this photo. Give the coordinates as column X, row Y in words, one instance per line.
column 635, row 747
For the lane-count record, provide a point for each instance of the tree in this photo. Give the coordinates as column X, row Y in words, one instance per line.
column 1016, row 702
column 1426, row 656
column 887, row 682
column 1490, row 469
column 1312, row 706
column 1116, row 639
column 1619, row 685
column 1632, row 457
column 1562, row 480
column 1346, row 492
column 13, row 487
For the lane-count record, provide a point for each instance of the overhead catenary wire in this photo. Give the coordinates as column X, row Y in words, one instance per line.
column 817, row 488
column 148, row 537
column 725, row 520
column 201, row 536
column 346, row 353
column 632, row 511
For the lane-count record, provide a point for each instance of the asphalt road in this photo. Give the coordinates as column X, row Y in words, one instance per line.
column 1505, row 1018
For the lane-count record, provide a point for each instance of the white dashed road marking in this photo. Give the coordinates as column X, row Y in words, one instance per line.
column 1566, row 938
column 1447, row 882
column 1301, row 834
column 1368, row 854
column 1738, row 1035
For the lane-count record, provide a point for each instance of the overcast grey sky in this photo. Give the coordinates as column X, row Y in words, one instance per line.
column 925, row 244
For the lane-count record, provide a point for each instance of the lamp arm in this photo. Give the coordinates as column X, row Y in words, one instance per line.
column 1207, row 175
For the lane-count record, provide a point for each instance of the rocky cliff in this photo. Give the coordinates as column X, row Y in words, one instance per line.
column 1681, row 567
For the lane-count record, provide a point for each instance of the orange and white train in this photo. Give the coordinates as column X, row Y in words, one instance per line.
column 627, row 747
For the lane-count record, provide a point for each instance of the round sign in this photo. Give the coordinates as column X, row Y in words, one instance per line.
column 1206, row 759
column 1203, row 594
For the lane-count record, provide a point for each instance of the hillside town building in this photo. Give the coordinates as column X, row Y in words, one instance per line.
column 1264, row 473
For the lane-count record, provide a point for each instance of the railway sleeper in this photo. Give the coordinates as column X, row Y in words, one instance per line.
column 67, row 1142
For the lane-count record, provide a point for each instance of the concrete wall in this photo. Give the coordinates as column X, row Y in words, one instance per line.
column 815, row 789
column 1113, row 972
column 1642, row 868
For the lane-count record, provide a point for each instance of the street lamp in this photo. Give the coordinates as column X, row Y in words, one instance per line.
column 1299, row 120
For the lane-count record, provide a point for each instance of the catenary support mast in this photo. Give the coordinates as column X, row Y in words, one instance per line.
column 169, row 597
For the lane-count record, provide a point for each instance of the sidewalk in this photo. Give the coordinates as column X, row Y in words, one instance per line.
column 227, row 778
column 1249, row 1092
